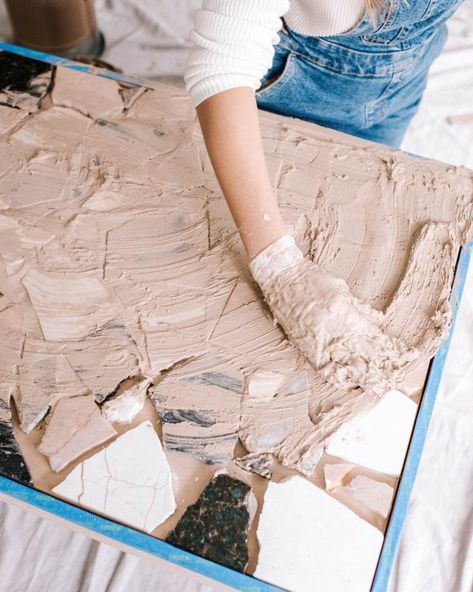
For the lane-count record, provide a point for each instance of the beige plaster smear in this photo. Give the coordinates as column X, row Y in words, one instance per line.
column 122, row 277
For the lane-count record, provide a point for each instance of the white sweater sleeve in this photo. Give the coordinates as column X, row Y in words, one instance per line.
column 234, row 45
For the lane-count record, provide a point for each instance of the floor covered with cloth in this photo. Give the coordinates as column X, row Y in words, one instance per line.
column 150, row 39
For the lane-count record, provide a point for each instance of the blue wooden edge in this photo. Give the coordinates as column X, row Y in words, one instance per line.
column 401, row 504
column 59, row 61
column 238, row 581
column 133, row 538
column 150, row 544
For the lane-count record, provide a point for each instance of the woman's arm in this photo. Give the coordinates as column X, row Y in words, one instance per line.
column 230, row 126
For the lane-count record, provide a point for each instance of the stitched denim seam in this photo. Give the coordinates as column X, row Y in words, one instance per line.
column 383, row 73
column 374, row 105
column 337, row 46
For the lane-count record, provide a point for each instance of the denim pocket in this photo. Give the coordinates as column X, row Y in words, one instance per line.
column 309, row 91
column 279, row 71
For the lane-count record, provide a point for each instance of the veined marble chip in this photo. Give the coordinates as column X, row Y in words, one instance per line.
column 129, row 481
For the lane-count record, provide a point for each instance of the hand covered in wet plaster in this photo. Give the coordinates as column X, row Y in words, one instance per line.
column 338, row 333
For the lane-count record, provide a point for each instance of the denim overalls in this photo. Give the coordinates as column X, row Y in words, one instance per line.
column 368, row 81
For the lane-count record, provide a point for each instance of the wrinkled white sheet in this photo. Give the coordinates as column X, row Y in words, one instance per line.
column 148, row 38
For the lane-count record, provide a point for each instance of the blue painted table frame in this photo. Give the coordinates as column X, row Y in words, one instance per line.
column 155, row 547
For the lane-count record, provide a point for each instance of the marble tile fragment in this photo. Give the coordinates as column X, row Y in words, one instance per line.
column 310, row 541
column 198, row 404
column 260, row 464
column 125, row 407
column 71, row 90
column 23, row 82
column 336, row 474
column 216, row 526
column 76, row 426
column 377, row 496
column 379, row 438
column 43, row 379
column 279, row 423
column 68, row 308
column 12, row 463
column 129, row 481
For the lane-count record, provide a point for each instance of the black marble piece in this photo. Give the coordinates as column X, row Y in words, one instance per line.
column 216, row 526
column 11, row 460
column 23, row 81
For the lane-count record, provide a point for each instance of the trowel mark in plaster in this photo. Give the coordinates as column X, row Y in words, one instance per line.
column 391, row 208
column 278, row 422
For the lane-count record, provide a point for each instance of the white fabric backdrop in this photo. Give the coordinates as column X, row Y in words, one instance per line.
column 149, row 38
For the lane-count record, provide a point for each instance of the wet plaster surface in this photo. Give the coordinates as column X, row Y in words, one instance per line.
column 122, row 275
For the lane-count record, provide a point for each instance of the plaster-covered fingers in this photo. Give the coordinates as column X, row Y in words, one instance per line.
column 339, row 335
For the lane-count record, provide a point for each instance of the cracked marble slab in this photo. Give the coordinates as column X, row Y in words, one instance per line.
column 377, row 439
column 310, row 541
column 129, row 481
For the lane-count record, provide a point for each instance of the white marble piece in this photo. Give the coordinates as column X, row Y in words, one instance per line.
column 125, row 407
column 378, row 439
column 129, row 481
column 377, row 496
column 335, row 474
column 309, row 541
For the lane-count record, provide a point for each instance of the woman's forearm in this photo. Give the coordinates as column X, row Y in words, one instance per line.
column 230, row 126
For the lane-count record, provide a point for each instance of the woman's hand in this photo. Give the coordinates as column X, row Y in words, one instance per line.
column 337, row 332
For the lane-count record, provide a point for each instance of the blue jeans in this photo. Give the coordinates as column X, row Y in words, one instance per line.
column 367, row 82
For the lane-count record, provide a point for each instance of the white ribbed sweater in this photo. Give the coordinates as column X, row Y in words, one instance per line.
column 234, row 39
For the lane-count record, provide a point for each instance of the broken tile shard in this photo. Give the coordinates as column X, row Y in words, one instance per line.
column 129, row 481
column 377, row 496
column 76, row 426
column 336, row 474
column 310, row 541
column 68, row 308
column 216, row 526
column 125, row 407
column 379, row 438
column 12, row 464
column 260, row 464
column 198, row 404
column 43, row 379
column 70, row 90
column 23, row 82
